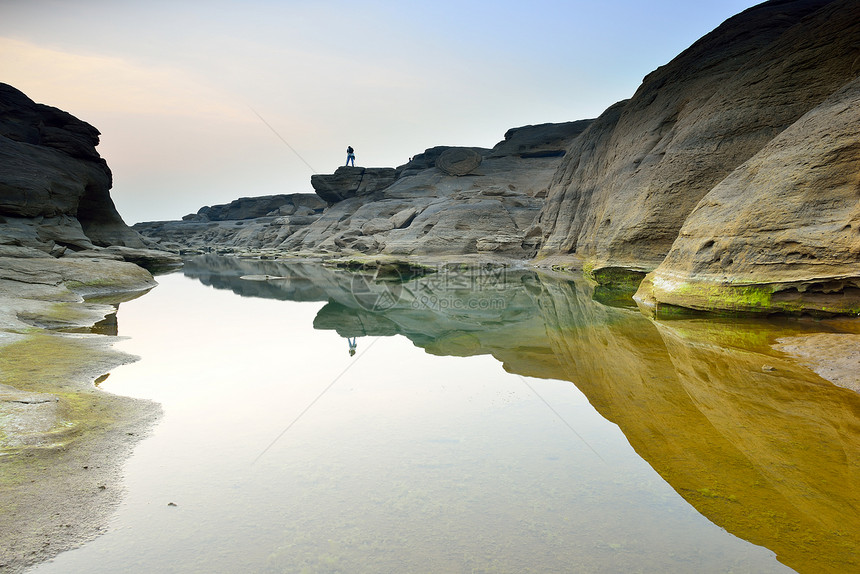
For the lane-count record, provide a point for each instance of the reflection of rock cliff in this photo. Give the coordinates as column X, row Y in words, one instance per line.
column 762, row 447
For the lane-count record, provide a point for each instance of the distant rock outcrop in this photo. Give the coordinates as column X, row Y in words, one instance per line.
column 445, row 201
column 253, row 207
column 243, row 223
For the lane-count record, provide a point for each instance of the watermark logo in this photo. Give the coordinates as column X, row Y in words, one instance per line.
column 377, row 289
column 460, row 288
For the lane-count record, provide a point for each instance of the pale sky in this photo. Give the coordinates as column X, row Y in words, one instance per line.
column 178, row 87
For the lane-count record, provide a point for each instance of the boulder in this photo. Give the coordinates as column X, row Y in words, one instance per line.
column 348, row 182
column 377, row 225
column 427, row 160
column 459, row 161
column 782, row 232
column 404, row 217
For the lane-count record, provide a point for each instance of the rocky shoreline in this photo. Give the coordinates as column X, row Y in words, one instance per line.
column 67, row 260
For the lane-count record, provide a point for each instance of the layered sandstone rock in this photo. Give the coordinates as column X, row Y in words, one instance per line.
column 628, row 184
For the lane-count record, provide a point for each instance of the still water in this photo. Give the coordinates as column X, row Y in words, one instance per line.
column 488, row 421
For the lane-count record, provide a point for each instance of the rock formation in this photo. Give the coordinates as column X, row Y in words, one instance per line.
column 703, row 175
column 55, row 188
column 628, row 184
column 448, row 201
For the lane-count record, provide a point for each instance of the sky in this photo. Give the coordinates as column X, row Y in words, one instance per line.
column 203, row 102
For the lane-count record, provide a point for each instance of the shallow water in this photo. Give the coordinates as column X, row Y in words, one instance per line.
column 488, row 422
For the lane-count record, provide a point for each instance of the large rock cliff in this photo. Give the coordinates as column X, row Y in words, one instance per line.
column 628, row 184
column 54, row 186
column 55, row 189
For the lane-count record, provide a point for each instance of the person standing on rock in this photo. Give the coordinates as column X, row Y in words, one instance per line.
column 350, row 155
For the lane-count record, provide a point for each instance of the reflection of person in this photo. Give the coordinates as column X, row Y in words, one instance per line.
column 350, row 155
column 352, row 345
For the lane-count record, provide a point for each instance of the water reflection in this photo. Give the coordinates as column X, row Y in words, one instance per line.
column 759, row 445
